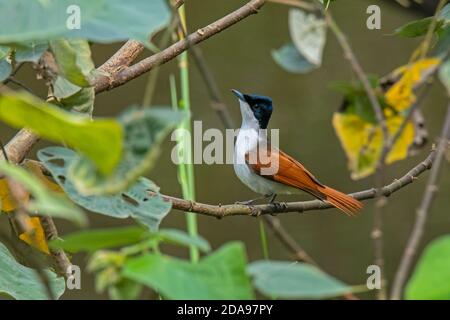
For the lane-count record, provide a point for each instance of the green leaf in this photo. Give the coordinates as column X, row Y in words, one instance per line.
column 136, row 202
column 23, row 283
column 219, row 276
column 30, row 52
column 44, row 200
column 93, row 240
column 100, row 21
column 74, row 60
column 431, row 277
column 291, row 60
column 144, row 128
column 294, row 280
column 74, row 98
column 308, row 33
column 180, row 237
column 99, row 140
column 416, row 28
column 125, row 289
column 4, row 51
column 444, row 75
column 5, row 69
column 443, row 44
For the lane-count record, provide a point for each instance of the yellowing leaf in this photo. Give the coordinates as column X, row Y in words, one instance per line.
column 401, row 95
column 7, row 202
column 362, row 141
column 36, row 170
column 35, row 236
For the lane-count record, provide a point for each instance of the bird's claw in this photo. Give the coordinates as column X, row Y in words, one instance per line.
column 279, row 206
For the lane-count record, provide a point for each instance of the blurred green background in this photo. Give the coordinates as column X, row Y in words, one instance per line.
column 240, row 58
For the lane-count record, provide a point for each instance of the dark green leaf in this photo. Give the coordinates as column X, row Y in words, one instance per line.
column 99, row 140
column 294, row 280
column 416, row 28
column 93, row 240
column 219, row 276
column 291, row 60
column 431, row 277
column 23, row 283
column 101, row 20
column 136, row 202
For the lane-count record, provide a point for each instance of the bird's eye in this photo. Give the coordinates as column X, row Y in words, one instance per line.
column 256, row 107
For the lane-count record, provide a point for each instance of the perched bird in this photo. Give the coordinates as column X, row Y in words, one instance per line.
column 290, row 175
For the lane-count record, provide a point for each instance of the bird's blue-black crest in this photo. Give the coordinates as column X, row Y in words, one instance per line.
column 261, row 107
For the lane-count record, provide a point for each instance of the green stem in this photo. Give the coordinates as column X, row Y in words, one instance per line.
column 186, row 168
column 263, row 238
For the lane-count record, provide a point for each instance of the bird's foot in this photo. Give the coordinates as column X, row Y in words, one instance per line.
column 278, row 206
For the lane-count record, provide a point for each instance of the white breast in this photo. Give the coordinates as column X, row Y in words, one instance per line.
column 247, row 140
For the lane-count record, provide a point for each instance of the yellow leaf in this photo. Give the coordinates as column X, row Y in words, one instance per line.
column 35, row 237
column 401, row 95
column 362, row 142
column 7, row 202
column 36, row 170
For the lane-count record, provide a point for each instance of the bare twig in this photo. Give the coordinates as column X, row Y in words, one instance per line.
column 111, row 81
column 62, row 262
column 221, row 211
column 421, row 214
column 287, row 240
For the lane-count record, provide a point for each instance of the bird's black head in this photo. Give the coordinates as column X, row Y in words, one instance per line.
column 261, row 106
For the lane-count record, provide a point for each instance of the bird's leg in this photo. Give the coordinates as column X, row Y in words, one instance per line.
column 276, row 205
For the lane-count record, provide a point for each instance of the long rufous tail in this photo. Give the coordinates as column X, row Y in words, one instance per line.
column 340, row 200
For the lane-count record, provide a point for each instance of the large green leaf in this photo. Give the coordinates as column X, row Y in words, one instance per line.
column 44, row 200
column 99, row 140
column 100, row 20
column 5, row 69
column 23, row 283
column 308, row 33
column 431, row 277
column 144, row 129
column 135, row 202
column 93, row 240
column 291, row 60
column 219, row 276
column 73, row 57
column 294, row 280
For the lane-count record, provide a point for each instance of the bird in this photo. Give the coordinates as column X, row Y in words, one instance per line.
column 290, row 176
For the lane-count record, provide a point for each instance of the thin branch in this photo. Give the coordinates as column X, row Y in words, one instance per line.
column 62, row 262
column 377, row 233
column 222, row 211
column 421, row 214
column 110, row 81
column 287, row 240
